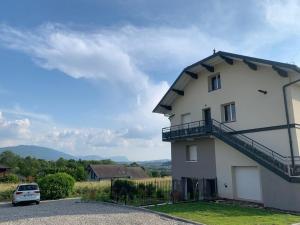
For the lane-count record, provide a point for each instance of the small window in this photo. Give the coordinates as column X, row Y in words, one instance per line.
column 214, row 82
column 186, row 118
column 229, row 114
column 191, row 153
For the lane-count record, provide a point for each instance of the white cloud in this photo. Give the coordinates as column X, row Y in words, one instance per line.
column 14, row 129
column 283, row 15
column 166, row 46
column 116, row 54
column 79, row 141
column 17, row 111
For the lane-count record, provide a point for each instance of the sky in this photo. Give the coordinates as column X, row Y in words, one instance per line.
column 83, row 76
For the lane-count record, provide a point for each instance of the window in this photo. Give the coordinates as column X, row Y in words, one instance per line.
column 229, row 112
column 191, row 153
column 214, row 82
column 186, row 118
column 30, row 187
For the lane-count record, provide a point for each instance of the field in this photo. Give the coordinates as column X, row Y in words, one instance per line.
column 211, row 213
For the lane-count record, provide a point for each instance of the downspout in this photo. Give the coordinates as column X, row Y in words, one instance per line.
column 288, row 120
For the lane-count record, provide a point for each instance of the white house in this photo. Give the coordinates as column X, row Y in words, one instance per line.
column 235, row 130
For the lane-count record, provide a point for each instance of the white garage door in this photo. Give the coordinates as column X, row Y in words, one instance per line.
column 247, row 183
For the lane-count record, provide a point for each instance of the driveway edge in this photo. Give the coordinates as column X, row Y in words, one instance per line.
column 149, row 211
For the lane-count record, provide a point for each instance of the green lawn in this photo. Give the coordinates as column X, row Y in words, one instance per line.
column 226, row 214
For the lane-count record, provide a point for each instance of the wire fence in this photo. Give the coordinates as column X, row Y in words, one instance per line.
column 141, row 192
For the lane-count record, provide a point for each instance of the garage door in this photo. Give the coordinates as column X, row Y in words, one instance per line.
column 247, row 183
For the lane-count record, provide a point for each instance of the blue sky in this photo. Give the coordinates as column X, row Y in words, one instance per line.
column 84, row 76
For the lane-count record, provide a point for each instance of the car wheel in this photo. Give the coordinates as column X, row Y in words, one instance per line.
column 14, row 204
column 37, row 202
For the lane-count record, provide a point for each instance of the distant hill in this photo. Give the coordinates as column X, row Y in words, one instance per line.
column 37, row 152
column 161, row 163
column 119, row 158
column 97, row 157
column 52, row 154
column 90, row 157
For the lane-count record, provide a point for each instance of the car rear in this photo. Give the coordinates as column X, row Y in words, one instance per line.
column 27, row 193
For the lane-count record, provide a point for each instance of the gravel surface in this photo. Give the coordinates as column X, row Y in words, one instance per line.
column 72, row 212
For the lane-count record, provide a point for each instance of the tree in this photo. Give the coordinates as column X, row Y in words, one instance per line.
column 134, row 164
column 154, row 173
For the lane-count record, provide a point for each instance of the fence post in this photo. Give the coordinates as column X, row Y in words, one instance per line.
column 111, row 187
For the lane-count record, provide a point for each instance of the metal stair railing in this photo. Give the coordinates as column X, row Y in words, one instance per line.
column 251, row 146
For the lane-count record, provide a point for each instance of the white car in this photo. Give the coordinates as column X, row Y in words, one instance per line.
column 26, row 193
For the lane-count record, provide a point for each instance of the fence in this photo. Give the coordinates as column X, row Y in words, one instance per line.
column 194, row 189
column 141, row 192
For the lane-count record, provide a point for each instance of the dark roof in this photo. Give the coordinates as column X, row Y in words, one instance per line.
column 213, row 60
column 118, row 171
column 4, row 167
column 248, row 58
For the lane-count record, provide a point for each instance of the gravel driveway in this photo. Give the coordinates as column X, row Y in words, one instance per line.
column 72, row 212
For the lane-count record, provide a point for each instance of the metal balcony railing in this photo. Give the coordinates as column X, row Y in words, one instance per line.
column 184, row 130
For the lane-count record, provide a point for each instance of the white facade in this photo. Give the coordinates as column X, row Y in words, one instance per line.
column 240, row 85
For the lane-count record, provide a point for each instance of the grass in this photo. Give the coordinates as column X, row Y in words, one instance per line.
column 6, row 191
column 6, row 187
column 211, row 213
column 91, row 185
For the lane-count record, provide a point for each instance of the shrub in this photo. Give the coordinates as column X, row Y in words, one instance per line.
column 160, row 194
column 123, row 189
column 55, row 186
column 6, row 195
column 141, row 190
column 100, row 194
column 150, row 190
column 10, row 178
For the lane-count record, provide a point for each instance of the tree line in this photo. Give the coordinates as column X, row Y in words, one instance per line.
column 30, row 168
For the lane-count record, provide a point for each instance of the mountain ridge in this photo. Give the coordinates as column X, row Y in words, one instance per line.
column 45, row 153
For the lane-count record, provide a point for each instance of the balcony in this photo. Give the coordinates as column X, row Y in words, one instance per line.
column 187, row 130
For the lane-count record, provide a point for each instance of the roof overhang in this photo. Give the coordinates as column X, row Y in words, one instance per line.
column 192, row 72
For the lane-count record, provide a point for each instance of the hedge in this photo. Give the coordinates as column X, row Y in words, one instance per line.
column 56, row 186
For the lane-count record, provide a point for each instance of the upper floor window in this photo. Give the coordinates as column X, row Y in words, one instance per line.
column 228, row 112
column 191, row 153
column 186, row 118
column 214, row 82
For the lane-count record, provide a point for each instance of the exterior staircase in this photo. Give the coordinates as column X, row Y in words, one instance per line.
column 270, row 159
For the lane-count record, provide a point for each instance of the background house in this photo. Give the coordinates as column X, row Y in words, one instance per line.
column 4, row 170
column 102, row 172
